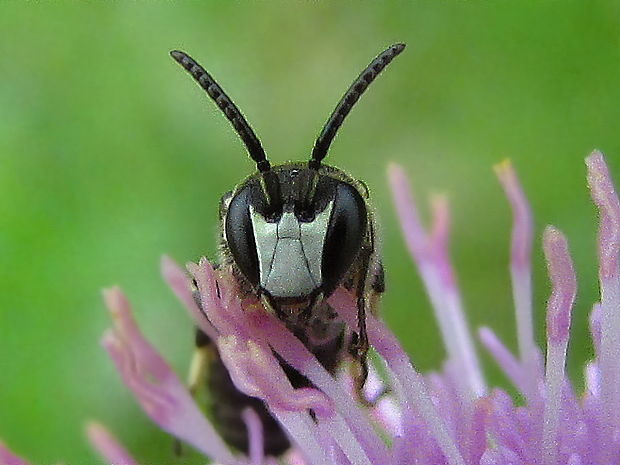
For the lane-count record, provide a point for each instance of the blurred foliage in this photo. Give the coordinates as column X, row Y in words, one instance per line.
column 111, row 156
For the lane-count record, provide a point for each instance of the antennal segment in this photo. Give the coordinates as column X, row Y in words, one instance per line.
column 230, row 110
column 349, row 99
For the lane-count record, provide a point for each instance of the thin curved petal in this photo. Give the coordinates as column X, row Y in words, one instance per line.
column 162, row 395
column 108, row 446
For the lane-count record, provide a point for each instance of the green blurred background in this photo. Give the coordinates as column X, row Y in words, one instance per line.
column 110, row 156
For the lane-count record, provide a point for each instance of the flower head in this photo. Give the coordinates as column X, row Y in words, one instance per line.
column 448, row 417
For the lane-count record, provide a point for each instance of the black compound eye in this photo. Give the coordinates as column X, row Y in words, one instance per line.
column 345, row 235
column 240, row 235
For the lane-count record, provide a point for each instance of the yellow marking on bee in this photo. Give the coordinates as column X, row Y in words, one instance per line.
column 198, row 367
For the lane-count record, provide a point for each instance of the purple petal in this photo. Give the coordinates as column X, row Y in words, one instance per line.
column 304, row 433
column 413, row 232
column 411, row 382
column 178, row 281
column 477, row 435
column 503, row 357
column 500, row 456
column 251, row 363
column 521, row 275
column 257, row 373
column 564, row 288
column 220, row 303
column 564, row 285
column 438, row 240
column 254, row 426
column 556, row 359
column 246, row 334
column 430, row 253
column 294, row 457
column 606, row 199
column 374, row 387
column 521, row 248
column 162, row 395
column 338, row 431
column 388, row 414
column 9, row 458
column 126, row 329
column 108, row 446
column 297, row 355
column 593, row 379
column 384, row 406
column 504, row 425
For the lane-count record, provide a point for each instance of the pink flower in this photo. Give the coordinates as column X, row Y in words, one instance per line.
column 449, row 417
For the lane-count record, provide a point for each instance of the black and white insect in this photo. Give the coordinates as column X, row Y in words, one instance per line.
column 290, row 235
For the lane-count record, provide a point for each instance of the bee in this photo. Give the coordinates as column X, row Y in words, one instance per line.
column 290, row 235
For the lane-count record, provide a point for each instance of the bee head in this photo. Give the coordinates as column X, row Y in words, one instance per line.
column 294, row 230
column 307, row 244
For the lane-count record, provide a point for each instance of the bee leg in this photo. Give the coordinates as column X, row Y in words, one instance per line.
column 270, row 306
column 356, row 368
column 199, row 362
column 359, row 341
column 362, row 345
column 310, row 309
column 377, row 284
column 374, row 286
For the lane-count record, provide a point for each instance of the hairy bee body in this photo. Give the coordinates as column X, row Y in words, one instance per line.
column 316, row 326
column 290, row 236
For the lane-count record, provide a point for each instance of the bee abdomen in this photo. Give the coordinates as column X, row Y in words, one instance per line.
column 228, row 404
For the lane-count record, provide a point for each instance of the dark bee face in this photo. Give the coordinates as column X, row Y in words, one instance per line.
column 304, row 243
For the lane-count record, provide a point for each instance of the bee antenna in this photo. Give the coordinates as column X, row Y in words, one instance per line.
column 230, row 110
column 355, row 91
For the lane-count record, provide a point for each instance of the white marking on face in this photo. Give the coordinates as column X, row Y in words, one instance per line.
column 290, row 252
